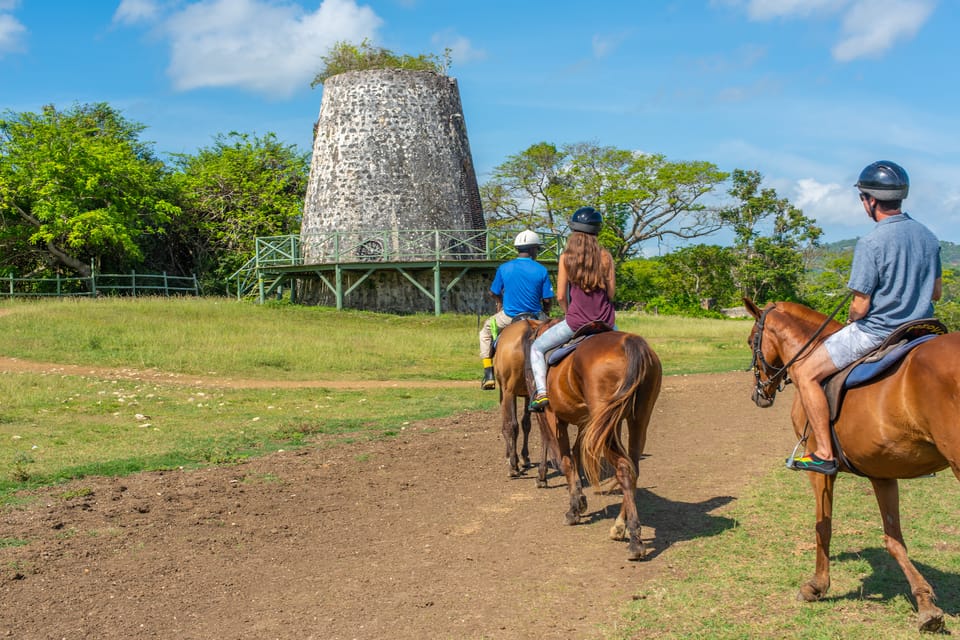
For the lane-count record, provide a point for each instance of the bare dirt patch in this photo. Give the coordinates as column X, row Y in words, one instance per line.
column 418, row 536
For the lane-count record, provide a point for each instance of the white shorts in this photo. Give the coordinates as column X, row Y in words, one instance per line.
column 850, row 344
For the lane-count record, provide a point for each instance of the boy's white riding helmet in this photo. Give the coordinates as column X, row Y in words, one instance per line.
column 527, row 239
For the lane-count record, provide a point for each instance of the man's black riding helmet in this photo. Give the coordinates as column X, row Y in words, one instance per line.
column 884, row 180
column 587, row 220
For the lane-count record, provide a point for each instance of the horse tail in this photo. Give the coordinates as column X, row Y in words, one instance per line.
column 601, row 440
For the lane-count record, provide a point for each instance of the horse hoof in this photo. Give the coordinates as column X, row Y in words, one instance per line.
column 637, row 555
column 618, row 532
column 809, row 593
column 514, row 473
column 571, row 518
column 541, row 484
column 932, row 621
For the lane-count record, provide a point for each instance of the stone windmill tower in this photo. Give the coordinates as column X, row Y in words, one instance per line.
column 390, row 156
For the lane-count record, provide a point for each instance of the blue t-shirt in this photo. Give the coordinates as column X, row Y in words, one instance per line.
column 897, row 265
column 522, row 283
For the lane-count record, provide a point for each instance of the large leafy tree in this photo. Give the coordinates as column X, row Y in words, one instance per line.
column 773, row 240
column 237, row 189
column 77, row 188
column 642, row 196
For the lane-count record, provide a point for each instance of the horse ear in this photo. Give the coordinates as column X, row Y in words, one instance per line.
column 752, row 308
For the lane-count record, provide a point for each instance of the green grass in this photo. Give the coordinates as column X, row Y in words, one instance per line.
column 55, row 427
column 223, row 337
column 741, row 582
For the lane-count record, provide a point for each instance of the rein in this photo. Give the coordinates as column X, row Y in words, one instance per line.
column 781, row 377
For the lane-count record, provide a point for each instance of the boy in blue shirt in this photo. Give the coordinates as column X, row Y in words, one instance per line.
column 520, row 286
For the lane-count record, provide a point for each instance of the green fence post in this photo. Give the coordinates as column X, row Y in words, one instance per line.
column 58, row 285
column 11, row 284
column 166, row 288
column 196, row 287
column 133, row 283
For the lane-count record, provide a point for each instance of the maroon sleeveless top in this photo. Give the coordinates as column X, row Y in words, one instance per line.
column 584, row 308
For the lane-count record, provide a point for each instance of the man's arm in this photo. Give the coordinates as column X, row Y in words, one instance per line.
column 859, row 306
column 937, row 289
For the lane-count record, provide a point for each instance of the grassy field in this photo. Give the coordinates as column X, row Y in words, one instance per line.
column 740, row 582
column 55, row 427
column 736, row 583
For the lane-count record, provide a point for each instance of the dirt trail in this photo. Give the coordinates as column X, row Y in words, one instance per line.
column 419, row 536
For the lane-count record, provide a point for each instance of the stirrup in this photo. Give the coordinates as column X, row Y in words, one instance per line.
column 791, row 461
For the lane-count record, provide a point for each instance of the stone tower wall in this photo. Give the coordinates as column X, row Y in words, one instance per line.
column 391, row 153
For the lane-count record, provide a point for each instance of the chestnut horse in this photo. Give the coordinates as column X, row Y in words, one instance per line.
column 509, row 360
column 905, row 424
column 611, row 378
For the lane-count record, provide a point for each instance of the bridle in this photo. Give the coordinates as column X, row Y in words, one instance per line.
column 779, row 377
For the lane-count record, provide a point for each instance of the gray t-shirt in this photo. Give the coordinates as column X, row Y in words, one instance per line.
column 896, row 264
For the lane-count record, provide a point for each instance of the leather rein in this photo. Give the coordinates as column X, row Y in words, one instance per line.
column 780, row 376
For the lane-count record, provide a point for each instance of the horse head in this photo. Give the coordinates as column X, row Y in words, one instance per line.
column 767, row 364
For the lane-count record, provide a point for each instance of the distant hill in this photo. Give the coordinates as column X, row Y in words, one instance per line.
column 949, row 252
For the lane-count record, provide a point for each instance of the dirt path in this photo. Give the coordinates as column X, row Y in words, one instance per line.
column 421, row 536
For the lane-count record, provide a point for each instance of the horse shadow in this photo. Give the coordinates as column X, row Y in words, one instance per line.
column 673, row 521
column 886, row 581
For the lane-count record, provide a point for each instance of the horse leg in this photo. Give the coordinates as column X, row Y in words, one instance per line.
column 525, row 428
column 509, row 429
column 817, row 586
column 628, row 509
column 548, row 444
column 568, row 467
column 888, row 499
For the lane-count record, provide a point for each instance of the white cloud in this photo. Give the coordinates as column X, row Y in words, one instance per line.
column 869, row 27
column 11, row 34
column 827, row 203
column 134, row 11
column 461, row 49
column 260, row 45
column 8, row 5
column 768, row 9
column 604, row 45
column 869, row 32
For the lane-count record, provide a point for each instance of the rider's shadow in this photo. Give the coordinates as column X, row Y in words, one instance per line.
column 672, row 521
column 886, row 581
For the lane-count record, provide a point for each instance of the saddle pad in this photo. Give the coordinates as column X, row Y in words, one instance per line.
column 867, row 371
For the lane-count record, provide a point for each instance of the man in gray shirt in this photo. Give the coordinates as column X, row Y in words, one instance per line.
column 895, row 278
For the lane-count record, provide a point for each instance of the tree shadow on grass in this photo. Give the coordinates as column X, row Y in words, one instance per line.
column 886, row 581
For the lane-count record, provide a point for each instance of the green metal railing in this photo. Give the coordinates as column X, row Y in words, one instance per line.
column 382, row 247
column 121, row 284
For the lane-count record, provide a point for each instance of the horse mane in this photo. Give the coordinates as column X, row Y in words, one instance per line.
column 806, row 321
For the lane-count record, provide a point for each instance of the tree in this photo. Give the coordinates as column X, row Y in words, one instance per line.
column 78, row 187
column 344, row 56
column 521, row 189
column 772, row 240
column 690, row 275
column 240, row 188
column 642, row 196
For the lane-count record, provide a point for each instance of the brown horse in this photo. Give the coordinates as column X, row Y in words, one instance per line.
column 509, row 360
column 904, row 425
column 611, row 378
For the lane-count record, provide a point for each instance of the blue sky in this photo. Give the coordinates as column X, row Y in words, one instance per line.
column 805, row 91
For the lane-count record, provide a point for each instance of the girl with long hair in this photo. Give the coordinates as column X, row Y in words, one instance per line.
column 585, row 288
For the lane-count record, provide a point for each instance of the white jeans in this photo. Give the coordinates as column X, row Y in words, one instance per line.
column 552, row 337
column 850, row 344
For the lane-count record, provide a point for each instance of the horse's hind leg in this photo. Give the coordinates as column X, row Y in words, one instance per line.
column 568, row 467
column 525, row 429
column 888, row 498
column 509, row 429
